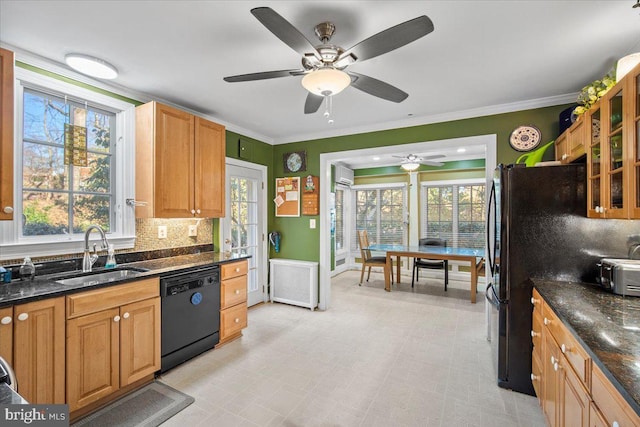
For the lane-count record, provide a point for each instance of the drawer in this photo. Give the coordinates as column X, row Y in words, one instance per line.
column 233, row 269
column 572, row 350
column 233, row 291
column 113, row 296
column 611, row 404
column 537, row 302
column 233, row 320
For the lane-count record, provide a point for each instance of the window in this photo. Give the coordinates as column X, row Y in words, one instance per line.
column 382, row 212
column 455, row 212
column 63, row 187
column 339, row 218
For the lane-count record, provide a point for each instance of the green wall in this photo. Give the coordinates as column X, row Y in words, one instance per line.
column 302, row 243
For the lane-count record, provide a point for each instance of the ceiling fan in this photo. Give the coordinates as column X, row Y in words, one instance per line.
column 412, row 162
column 323, row 65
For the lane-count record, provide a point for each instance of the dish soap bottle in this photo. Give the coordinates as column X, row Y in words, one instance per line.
column 27, row 269
column 111, row 258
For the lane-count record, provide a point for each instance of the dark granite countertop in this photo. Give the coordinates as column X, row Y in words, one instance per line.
column 608, row 327
column 43, row 287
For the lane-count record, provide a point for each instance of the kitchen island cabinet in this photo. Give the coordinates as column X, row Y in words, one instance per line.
column 180, row 164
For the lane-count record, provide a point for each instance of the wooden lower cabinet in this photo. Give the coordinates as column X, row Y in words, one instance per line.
column 116, row 345
column 572, row 391
column 233, row 300
column 38, row 350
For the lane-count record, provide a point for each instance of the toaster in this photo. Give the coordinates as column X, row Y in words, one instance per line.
column 620, row 276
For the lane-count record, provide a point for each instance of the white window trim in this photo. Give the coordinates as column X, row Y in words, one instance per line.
column 12, row 246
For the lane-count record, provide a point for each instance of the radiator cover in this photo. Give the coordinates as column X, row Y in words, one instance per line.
column 294, row 282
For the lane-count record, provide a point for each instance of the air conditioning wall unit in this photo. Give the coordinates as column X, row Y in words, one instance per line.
column 344, row 175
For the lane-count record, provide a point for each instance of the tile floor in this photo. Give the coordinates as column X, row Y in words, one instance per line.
column 408, row 358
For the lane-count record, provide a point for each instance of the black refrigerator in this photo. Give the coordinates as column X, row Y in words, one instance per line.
column 534, row 222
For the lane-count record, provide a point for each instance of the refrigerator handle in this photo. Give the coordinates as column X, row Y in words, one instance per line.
column 492, row 206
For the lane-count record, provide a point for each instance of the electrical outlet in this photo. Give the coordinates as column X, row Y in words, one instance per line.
column 162, row 232
column 193, row 231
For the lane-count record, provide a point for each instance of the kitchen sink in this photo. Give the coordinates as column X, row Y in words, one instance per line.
column 101, row 276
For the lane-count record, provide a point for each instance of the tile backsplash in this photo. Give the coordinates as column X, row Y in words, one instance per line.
column 147, row 237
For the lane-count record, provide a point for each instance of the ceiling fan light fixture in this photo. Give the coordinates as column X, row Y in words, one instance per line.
column 326, row 81
column 410, row 166
column 91, row 66
column 626, row 64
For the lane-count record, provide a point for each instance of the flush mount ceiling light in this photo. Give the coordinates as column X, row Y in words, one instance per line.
column 326, row 81
column 626, row 64
column 91, row 66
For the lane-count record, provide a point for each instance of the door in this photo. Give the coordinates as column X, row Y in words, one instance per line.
column 243, row 226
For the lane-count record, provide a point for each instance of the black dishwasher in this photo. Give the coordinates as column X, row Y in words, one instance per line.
column 190, row 314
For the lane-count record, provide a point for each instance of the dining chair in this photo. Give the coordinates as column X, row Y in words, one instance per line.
column 434, row 264
column 371, row 261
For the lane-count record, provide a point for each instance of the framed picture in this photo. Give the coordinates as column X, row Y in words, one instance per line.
column 295, row 161
column 287, row 198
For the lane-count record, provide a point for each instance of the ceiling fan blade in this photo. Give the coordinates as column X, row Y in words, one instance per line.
column 435, row 156
column 283, row 29
column 312, row 103
column 430, row 163
column 377, row 88
column 390, row 39
column 262, row 75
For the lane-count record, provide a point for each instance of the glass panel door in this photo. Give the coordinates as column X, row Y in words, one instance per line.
column 614, row 147
column 595, row 162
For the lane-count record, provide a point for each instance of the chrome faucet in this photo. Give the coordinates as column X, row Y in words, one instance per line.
column 88, row 259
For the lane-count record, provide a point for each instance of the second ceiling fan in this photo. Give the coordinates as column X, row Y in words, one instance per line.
column 323, row 65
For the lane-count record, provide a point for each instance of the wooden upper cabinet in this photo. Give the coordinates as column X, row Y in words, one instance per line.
column 179, row 164
column 209, row 176
column 562, row 148
column 633, row 136
column 6, row 134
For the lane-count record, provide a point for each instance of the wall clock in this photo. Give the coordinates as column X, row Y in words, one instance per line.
column 525, row 138
column 295, row 161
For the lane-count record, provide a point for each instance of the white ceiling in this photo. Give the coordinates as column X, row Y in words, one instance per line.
column 483, row 57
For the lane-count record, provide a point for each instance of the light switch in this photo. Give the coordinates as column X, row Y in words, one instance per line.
column 312, row 223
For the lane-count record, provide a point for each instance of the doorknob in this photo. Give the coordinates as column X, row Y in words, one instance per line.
column 227, row 241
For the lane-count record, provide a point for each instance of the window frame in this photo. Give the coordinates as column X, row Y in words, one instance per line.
column 12, row 244
column 355, row 250
column 424, row 185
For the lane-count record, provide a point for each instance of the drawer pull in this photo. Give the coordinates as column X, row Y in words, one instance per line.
column 126, row 315
column 237, row 291
column 116, row 318
column 556, row 366
column 535, row 377
column 237, row 320
column 546, row 321
column 237, row 269
column 6, row 320
column 534, row 334
column 564, row 348
column 553, row 360
column 534, row 301
column 23, row 316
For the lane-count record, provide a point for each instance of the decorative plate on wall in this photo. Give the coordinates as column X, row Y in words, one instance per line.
column 525, row 138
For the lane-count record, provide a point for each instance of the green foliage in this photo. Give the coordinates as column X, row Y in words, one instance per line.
column 591, row 93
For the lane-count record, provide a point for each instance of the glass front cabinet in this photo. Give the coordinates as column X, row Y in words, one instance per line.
column 613, row 153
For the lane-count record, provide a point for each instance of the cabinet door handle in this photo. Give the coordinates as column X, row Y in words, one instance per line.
column 193, row 212
column 615, row 424
column 116, row 318
column 556, row 367
column 6, row 320
column 237, row 320
column 564, row 349
column 534, row 334
column 126, row 315
column 553, row 360
column 198, row 211
column 535, row 377
column 237, row 291
column 534, row 301
column 8, row 210
column 238, row 270
column 23, row 316
column 546, row 321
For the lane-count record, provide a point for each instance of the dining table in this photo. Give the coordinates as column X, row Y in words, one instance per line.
column 474, row 256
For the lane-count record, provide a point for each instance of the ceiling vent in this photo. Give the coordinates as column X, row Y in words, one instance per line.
column 344, row 175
